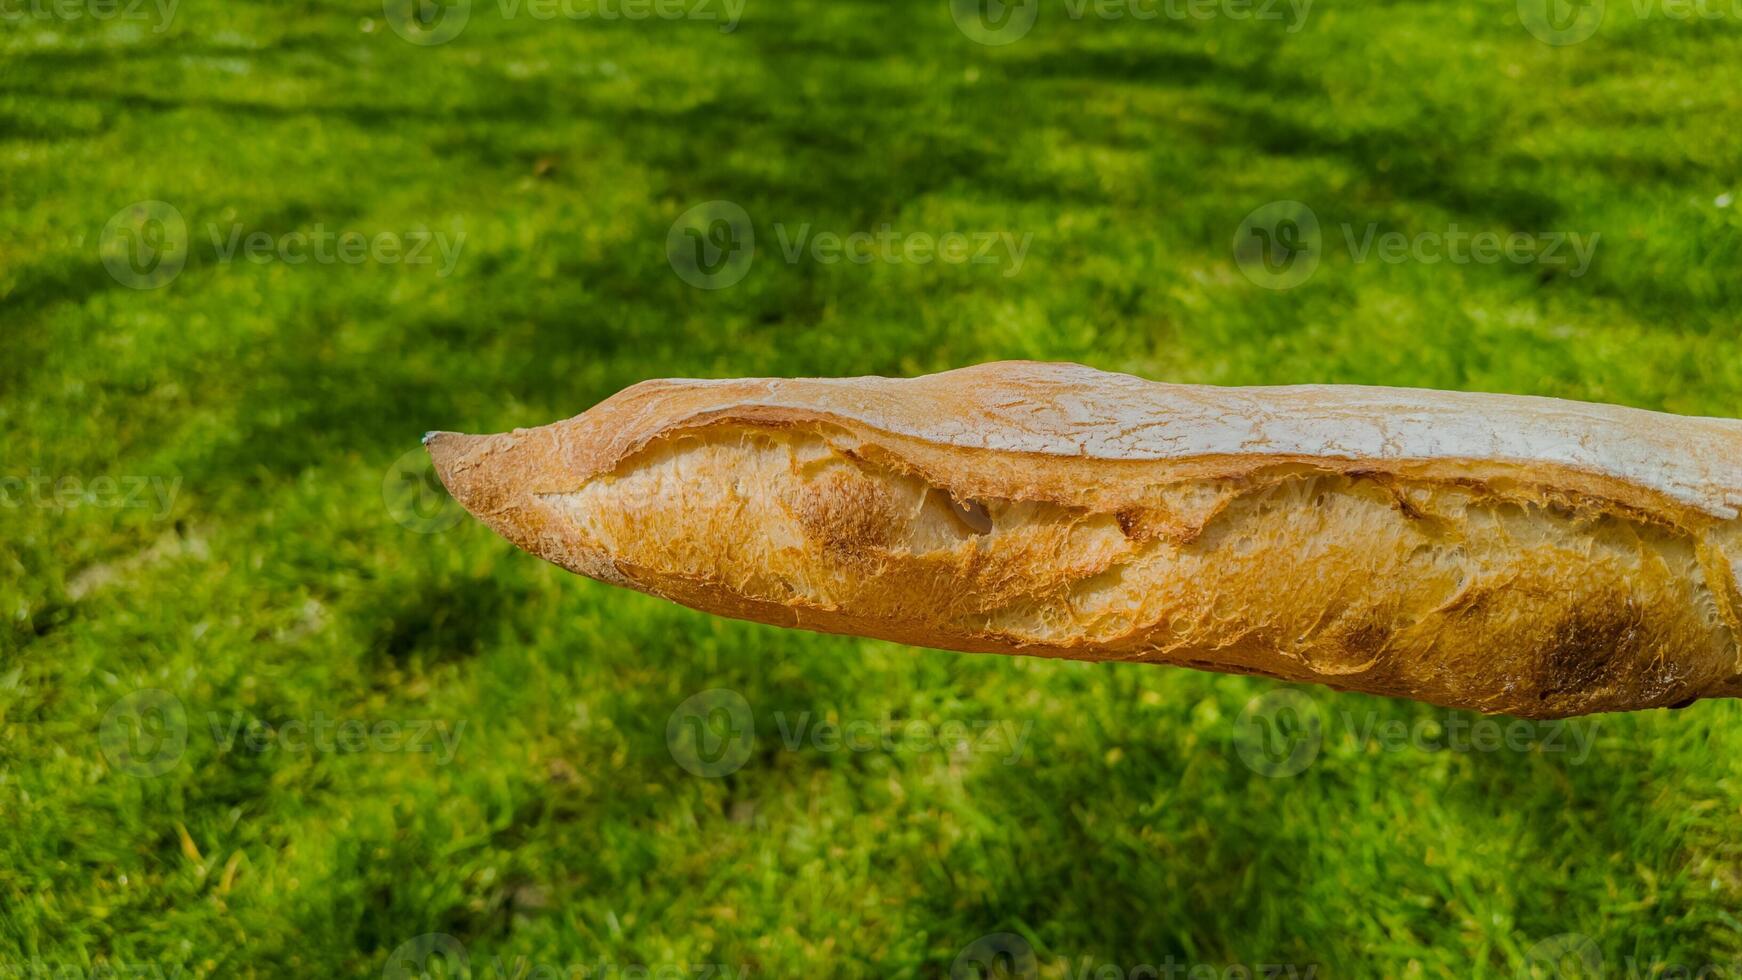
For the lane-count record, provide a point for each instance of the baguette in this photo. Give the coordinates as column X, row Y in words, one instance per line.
column 1531, row 556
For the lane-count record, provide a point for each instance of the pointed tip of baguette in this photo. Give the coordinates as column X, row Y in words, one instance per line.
column 499, row 479
column 451, row 453
column 437, row 440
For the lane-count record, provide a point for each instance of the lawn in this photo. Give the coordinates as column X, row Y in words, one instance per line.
column 270, row 707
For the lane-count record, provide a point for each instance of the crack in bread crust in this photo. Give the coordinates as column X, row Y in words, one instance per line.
column 1482, row 593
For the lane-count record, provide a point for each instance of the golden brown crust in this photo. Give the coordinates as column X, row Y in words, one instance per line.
column 1531, row 556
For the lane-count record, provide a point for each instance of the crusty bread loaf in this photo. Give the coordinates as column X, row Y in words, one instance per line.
column 1524, row 555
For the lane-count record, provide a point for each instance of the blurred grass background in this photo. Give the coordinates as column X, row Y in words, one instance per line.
column 278, row 587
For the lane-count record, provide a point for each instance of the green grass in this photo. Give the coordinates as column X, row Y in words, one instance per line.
column 278, row 588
